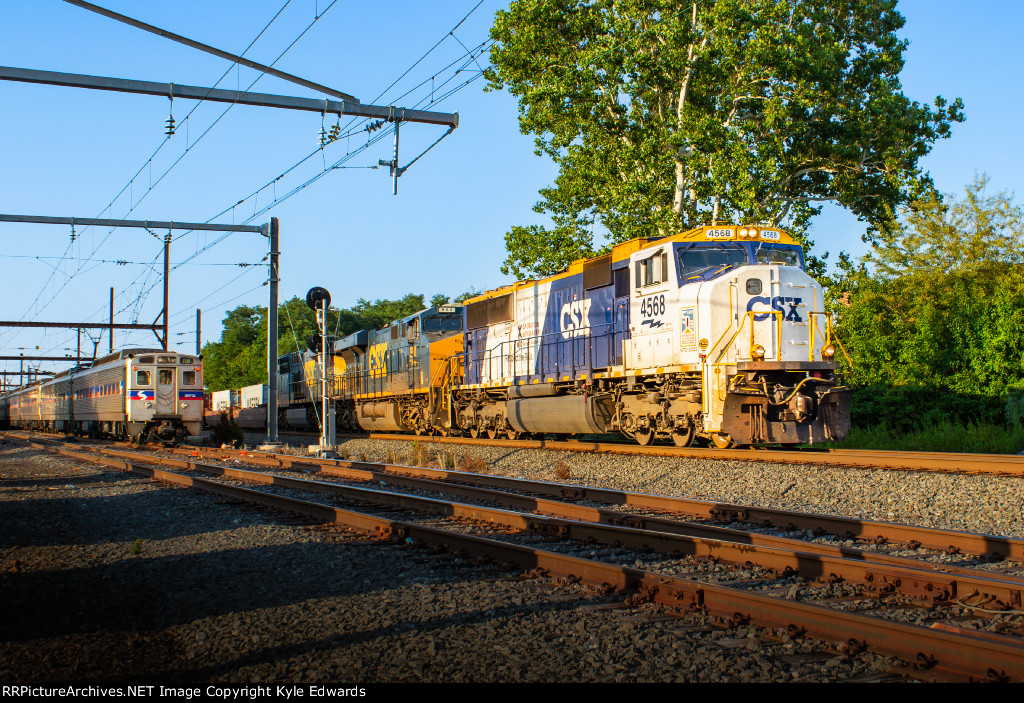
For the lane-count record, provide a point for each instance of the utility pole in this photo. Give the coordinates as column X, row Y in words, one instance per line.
column 111, row 320
column 167, row 274
column 327, row 437
column 199, row 330
column 272, row 376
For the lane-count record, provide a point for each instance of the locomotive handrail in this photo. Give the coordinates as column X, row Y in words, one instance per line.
column 751, row 314
column 832, row 337
column 580, row 349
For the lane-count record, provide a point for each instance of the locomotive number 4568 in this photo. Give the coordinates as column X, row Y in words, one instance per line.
column 652, row 306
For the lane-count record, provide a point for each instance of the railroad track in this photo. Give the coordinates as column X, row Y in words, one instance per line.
column 960, row 462
column 1002, row 464
column 645, row 546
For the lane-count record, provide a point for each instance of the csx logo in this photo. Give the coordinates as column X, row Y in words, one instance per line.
column 777, row 304
column 573, row 320
column 376, row 354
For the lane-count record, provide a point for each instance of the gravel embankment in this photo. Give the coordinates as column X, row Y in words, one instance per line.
column 983, row 504
column 109, row 577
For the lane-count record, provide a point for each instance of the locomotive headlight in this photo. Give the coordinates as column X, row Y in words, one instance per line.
column 184, row 405
column 828, row 351
column 757, row 352
column 148, row 404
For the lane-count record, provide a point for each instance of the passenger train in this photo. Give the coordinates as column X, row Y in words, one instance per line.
column 136, row 394
column 716, row 334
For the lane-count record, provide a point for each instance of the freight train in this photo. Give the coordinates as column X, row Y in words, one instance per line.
column 716, row 334
column 136, row 394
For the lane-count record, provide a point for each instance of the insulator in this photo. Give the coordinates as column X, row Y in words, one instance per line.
column 170, row 126
column 323, row 137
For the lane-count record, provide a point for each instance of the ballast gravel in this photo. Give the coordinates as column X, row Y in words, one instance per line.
column 987, row 504
column 108, row 577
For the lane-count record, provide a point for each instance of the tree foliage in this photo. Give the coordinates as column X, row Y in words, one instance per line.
column 664, row 116
column 240, row 357
column 938, row 304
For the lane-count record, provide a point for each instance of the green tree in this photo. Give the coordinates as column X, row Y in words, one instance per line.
column 240, row 357
column 938, row 304
column 230, row 363
column 663, row 116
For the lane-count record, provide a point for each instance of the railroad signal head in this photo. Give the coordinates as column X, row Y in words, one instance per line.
column 316, row 295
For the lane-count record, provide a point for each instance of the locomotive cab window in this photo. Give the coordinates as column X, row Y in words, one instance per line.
column 787, row 256
column 141, row 378
column 166, row 376
column 699, row 261
column 442, row 324
column 652, row 270
column 188, row 378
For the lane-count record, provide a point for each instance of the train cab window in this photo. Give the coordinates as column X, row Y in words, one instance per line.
column 188, row 378
column 142, row 378
column 166, row 376
column 442, row 324
column 652, row 270
column 787, row 256
column 695, row 262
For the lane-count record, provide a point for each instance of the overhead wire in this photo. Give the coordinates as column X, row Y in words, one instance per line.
column 148, row 162
column 435, row 98
column 137, row 301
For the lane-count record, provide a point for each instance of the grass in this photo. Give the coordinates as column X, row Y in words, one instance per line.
column 944, row 436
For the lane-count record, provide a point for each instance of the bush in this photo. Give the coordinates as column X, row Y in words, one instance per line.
column 909, row 409
column 227, row 432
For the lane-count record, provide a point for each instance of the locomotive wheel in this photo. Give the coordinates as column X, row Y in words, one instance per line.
column 492, row 433
column 722, row 440
column 684, row 437
column 644, row 438
column 474, row 431
column 512, row 434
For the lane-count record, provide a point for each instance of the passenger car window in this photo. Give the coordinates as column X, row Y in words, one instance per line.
column 142, row 378
column 188, row 378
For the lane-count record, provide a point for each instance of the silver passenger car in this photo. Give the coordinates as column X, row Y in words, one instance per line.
column 141, row 394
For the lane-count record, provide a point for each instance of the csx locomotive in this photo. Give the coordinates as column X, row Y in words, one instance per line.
column 137, row 394
column 717, row 333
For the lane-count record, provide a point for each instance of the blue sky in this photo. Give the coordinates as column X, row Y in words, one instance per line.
column 72, row 152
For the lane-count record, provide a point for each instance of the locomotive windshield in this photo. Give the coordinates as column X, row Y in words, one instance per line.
column 442, row 324
column 777, row 254
column 697, row 261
